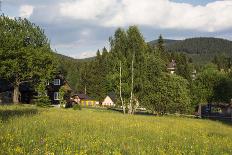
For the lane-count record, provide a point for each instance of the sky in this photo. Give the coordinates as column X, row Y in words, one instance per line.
column 78, row 28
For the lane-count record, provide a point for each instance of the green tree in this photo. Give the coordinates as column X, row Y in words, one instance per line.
column 160, row 48
column 25, row 53
column 167, row 94
column 203, row 86
column 128, row 49
column 223, row 91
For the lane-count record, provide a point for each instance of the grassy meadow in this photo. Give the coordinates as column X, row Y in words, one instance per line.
column 31, row 130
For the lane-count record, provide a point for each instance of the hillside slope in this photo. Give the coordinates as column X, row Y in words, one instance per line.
column 201, row 50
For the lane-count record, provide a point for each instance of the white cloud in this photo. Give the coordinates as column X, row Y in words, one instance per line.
column 86, row 9
column 26, row 11
column 86, row 54
column 83, row 55
column 214, row 16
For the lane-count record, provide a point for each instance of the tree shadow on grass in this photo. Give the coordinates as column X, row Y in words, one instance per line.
column 6, row 114
column 226, row 121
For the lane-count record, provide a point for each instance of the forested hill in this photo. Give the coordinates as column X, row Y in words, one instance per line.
column 201, row 50
column 166, row 41
column 67, row 58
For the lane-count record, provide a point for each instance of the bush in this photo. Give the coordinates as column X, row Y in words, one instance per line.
column 43, row 101
column 76, row 107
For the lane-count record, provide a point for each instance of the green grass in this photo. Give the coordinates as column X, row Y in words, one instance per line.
column 89, row 131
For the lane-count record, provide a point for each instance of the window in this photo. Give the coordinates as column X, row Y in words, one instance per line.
column 56, row 96
column 57, row 82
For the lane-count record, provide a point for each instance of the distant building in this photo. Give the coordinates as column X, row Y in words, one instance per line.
column 84, row 100
column 194, row 74
column 171, row 67
column 109, row 101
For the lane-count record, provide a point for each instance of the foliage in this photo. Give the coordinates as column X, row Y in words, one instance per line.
column 201, row 50
column 101, row 75
column 42, row 100
column 89, row 131
column 184, row 68
column 70, row 68
column 223, row 61
column 167, row 94
column 24, row 52
column 203, row 87
column 223, row 91
column 77, row 107
column 62, row 93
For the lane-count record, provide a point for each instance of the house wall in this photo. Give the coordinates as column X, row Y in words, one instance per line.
column 88, row 102
column 52, row 89
column 108, row 102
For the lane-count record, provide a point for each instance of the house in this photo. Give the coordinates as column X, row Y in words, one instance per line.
column 109, row 100
column 84, row 100
column 54, row 86
column 171, row 67
column 27, row 91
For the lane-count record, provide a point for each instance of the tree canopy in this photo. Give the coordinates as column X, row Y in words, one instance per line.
column 25, row 53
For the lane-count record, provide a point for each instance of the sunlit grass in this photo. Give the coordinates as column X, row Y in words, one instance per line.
column 89, row 131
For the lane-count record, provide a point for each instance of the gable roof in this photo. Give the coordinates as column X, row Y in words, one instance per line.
column 82, row 96
column 112, row 96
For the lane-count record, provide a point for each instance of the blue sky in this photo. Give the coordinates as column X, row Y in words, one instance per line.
column 78, row 28
column 195, row 2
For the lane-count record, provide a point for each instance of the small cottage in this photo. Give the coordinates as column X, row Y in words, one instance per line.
column 109, row 101
column 84, row 100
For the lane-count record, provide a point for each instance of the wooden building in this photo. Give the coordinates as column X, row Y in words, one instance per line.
column 109, row 101
column 54, row 86
column 84, row 100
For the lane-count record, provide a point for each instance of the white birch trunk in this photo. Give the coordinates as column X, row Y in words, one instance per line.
column 130, row 108
column 120, row 89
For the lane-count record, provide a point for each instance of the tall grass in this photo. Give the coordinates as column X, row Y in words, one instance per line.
column 89, row 131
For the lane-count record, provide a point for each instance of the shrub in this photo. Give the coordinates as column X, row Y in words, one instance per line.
column 43, row 101
column 76, row 107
